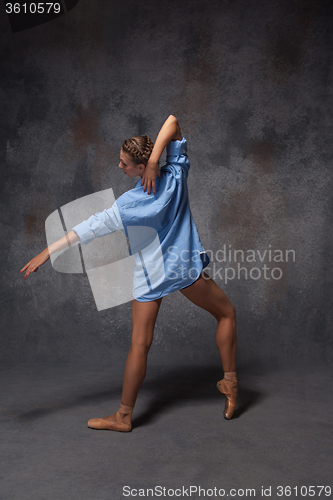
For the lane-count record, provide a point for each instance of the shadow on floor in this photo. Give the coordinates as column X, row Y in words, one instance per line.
column 189, row 385
column 170, row 387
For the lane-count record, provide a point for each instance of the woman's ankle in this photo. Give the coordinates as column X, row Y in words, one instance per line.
column 125, row 412
column 232, row 376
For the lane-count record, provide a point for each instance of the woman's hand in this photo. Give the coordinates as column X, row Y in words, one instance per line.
column 35, row 263
column 149, row 176
column 170, row 131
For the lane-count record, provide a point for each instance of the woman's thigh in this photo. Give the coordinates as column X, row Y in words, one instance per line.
column 144, row 315
column 205, row 293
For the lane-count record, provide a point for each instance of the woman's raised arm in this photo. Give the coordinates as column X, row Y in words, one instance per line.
column 32, row 266
column 169, row 131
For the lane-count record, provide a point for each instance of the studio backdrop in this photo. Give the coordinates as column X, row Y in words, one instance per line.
column 250, row 83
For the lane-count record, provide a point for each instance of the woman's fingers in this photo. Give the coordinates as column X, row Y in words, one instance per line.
column 149, row 176
column 150, row 183
column 29, row 271
column 153, row 183
column 26, row 274
column 34, row 264
column 26, row 266
column 144, row 181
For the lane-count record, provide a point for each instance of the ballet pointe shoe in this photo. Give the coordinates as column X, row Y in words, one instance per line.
column 120, row 421
column 230, row 389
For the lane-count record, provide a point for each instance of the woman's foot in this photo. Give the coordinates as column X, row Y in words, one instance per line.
column 229, row 387
column 120, row 421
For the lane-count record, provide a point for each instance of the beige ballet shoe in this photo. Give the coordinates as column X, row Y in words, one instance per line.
column 230, row 389
column 114, row 422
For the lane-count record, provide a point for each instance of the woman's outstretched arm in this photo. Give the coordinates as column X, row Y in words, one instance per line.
column 169, row 131
column 42, row 257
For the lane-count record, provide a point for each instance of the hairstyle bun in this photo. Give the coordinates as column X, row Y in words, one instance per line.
column 138, row 148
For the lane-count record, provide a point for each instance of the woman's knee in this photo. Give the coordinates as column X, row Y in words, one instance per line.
column 227, row 311
column 232, row 312
column 141, row 344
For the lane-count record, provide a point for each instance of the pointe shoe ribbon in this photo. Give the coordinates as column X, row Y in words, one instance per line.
column 230, row 389
column 114, row 424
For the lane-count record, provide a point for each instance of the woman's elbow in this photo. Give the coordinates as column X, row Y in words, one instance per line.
column 172, row 118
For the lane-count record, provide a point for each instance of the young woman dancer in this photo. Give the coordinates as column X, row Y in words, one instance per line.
column 167, row 210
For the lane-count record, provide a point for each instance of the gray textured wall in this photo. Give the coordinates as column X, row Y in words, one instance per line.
column 251, row 84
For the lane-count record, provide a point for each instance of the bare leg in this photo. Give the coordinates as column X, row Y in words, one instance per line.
column 144, row 315
column 205, row 293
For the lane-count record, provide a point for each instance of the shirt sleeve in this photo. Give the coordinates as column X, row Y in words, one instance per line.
column 100, row 224
column 176, row 154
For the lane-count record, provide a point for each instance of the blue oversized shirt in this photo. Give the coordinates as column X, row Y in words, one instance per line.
column 163, row 237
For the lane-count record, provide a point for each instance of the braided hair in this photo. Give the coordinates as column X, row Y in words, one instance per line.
column 138, row 148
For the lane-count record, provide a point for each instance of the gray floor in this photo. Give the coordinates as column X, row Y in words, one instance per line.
column 281, row 433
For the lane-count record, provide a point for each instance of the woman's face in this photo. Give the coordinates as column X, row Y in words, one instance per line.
column 128, row 167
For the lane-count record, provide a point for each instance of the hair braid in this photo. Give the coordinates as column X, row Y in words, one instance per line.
column 139, row 148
